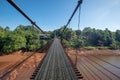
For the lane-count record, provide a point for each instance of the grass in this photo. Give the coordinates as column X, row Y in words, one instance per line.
column 89, row 47
column 96, row 47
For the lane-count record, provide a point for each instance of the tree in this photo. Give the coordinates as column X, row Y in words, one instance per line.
column 77, row 42
column 117, row 35
column 32, row 41
column 78, row 32
column 13, row 42
column 115, row 45
column 69, row 34
column 21, row 37
column 2, row 37
column 91, row 36
column 7, row 29
column 108, row 38
column 65, row 43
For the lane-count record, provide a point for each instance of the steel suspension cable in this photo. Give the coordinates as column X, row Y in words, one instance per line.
column 79, row 13
column 79, row 3
column 20, row 10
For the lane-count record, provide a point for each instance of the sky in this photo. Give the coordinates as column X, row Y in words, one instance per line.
column 52, row 14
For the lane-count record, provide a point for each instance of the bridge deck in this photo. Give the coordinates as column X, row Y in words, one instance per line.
column 56, row 65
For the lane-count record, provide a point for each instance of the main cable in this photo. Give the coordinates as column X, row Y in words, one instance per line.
column 79, row 13
column 79, row 3
column 20, row 10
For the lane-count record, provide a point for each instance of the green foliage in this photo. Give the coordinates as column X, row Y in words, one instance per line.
column 32, row 41
column 12, row 43
column 65, row 43
column 95, row 37
column 115, row 45
column 68, row 35
column 27, row 37
column 78, row 32
column 108, row 39
column 89, row 37
column 23, row 37
column 77, row 42
column 103, row 47
column 89, row 47
column 117, row 35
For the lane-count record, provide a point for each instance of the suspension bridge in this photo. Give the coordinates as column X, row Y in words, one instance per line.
column 56, row 65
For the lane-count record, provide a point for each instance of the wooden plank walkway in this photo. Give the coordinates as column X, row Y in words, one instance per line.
column 56, row 65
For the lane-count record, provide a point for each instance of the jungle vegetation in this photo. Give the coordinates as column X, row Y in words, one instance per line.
column 27, row 37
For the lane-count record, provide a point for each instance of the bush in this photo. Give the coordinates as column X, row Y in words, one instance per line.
column 65, row 43
column 103, row 48
column 115, row 45
column 89, row 48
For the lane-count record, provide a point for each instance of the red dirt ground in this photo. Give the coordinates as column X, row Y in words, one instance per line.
column 95, row 51
column 25, row 70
